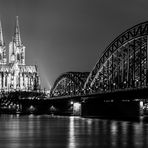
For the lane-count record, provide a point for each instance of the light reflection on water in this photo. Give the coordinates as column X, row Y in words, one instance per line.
column 70, row 132
column 71, row 141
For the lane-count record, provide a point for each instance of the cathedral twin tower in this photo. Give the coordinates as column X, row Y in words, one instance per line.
column 15, row 75
column 16, row 48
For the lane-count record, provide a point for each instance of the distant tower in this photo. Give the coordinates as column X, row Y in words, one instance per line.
column 3, row 59
column 16, row 48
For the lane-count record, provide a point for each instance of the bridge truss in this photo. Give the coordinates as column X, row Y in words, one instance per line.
column 123, row 65
column 69, row 84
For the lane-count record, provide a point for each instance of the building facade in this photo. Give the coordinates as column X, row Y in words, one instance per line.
column 15, row 75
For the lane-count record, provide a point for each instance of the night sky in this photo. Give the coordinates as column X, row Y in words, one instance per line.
column 68, row 35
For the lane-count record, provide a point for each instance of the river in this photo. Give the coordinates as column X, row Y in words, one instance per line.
column 46, row 131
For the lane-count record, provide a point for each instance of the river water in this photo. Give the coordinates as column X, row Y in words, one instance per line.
column 70, row 132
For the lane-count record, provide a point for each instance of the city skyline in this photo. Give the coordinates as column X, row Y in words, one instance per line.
column 68, row 35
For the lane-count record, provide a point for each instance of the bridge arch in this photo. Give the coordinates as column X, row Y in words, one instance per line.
column 123, row 64
column 69, row 84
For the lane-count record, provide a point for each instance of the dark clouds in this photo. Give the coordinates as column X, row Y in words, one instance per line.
column 68, row 35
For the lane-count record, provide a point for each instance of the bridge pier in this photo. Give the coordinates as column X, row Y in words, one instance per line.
column 61, row 107
column 66, row 106
column 34, row 106
column 110, row 108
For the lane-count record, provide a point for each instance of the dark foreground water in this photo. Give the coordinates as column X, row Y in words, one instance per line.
column 70, row 132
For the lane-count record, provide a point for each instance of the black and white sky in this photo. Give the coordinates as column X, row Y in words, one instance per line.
column 68, row 35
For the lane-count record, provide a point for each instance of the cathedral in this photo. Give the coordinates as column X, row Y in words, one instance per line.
column 15, row 75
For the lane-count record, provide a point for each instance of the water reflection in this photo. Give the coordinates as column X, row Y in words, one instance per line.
column 72, row 140
column 13, row 133
column 71, row 132
column 107, row 133
column 124, row 133
column 114, row 133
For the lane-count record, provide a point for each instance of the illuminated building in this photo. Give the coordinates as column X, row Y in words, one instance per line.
column 14, row 74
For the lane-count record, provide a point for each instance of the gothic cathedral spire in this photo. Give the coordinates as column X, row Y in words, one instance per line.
column 16, row 48
column 17, row 37
column 3, row 59
column 1, row 35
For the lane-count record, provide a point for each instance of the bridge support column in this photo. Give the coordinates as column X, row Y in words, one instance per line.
column 66, row 107
column 76, row 108
column 96, row 108
column 35, row 106
column 141, row 105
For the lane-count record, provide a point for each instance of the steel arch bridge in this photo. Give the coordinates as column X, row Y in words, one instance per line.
column 69, row 84
column 123, row 64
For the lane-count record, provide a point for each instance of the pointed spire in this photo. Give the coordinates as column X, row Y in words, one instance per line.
column 17, row 37
column 1, row 35
column 13, row 45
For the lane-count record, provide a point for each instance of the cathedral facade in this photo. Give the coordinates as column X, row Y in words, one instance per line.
column 15, row 75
